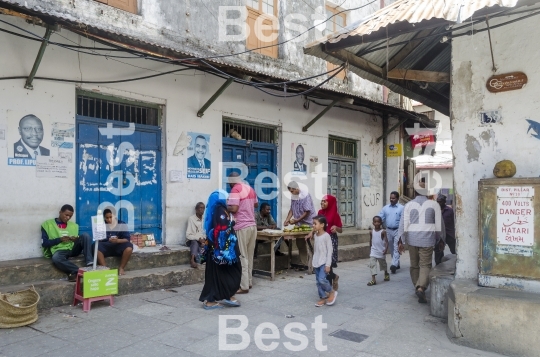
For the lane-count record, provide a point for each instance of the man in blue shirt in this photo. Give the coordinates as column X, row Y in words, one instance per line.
column 391, row 215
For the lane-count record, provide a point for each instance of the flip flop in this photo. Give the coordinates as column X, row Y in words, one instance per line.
column 231, row 303
column 212, row 307
column 318, row 304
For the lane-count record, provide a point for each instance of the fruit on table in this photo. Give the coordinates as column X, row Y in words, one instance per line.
column 302, row 228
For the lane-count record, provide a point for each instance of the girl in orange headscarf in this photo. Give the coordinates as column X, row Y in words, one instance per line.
column 330, row 212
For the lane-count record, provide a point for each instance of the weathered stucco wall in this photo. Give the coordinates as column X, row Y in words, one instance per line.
column 27, row 200
column 477, row 148
column 190, row 27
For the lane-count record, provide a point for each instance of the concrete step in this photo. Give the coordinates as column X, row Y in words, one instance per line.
column 353, row 252
column 39, row 269
column 60, row 292
column 55, row 290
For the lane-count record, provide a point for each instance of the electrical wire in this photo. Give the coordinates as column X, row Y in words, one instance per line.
column 97, row 82
column 66, row 47
column 346, row 108
column 337, row 71
column 239, row 80
column 72, row 46
column 243, row 81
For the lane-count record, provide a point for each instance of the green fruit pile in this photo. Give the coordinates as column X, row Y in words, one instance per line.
column 302, row 228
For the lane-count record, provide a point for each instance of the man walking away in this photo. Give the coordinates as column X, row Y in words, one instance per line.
column 391, row 216
column 421, row 227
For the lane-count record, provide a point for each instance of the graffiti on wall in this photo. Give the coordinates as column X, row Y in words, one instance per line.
column 535, row 127
column 371, row 199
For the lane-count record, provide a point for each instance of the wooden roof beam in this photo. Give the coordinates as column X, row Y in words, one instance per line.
column 420, row 76
column 356, row 61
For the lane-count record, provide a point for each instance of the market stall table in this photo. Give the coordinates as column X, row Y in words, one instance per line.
column 273, row 236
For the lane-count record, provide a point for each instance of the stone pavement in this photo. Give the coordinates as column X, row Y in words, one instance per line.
column 387, row 317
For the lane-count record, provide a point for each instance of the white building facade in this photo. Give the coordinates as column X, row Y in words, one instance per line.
column 130, row 144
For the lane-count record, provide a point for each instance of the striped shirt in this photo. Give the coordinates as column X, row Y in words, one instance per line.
column 419, row 231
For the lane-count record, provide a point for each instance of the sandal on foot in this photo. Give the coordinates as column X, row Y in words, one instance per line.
column 320, row 303
column 386, row 277
column 371, row 283
column 212, row 307
column 231, row 303
column 330, row 303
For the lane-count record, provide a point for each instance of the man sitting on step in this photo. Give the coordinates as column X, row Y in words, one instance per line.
column 117, row 243
column 61, row 241
column 195, row 235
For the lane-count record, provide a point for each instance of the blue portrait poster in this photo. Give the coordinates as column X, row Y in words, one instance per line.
column 199, row 160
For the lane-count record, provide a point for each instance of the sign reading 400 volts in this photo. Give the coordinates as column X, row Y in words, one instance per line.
column 100, row 283
column 515, row 220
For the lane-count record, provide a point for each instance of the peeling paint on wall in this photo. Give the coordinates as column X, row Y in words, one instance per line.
column 143, row 173
column 473, row 148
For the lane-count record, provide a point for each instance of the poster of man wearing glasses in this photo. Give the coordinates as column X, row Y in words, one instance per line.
column 28, row 147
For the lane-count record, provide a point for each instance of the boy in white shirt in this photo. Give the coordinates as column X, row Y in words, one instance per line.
column 379, row 247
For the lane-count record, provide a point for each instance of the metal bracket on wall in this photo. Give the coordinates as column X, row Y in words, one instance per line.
column 325, row 110
column 385, row 134
column 216, row 95
column 37, row 62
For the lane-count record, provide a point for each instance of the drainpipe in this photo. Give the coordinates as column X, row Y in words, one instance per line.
column 30, row 79
column 385, row 163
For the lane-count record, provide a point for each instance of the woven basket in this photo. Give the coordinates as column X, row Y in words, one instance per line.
column 19, row 308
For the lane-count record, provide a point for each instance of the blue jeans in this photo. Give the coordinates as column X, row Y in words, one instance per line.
column 323, row 285
column 82, row 245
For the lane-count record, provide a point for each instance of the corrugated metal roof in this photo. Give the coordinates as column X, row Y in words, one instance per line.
column 238, row 62
column 368, row 41
column 414, row 11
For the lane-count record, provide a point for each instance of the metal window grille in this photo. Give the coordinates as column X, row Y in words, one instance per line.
column 111, row 110
column 342, row 147
column 258, row 133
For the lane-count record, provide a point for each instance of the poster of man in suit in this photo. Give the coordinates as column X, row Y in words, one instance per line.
column 298, row 164
column 28, row 145
column 198, row 162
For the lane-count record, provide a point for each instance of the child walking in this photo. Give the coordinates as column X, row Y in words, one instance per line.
column 322, row 261
column 379, row 247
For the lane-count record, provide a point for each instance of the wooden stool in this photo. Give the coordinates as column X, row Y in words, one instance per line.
column 78, row 295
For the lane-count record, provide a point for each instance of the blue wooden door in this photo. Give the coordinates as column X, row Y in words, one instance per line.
column 119, row 166
column 259, row 158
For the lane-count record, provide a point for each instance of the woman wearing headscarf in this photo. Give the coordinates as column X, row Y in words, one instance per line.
column 223, row 269
column 330, row 212
column 302, row 212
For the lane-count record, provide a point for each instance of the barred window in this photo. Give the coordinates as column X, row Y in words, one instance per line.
column 249, row 131
column 102, row 108
column 342, row 147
